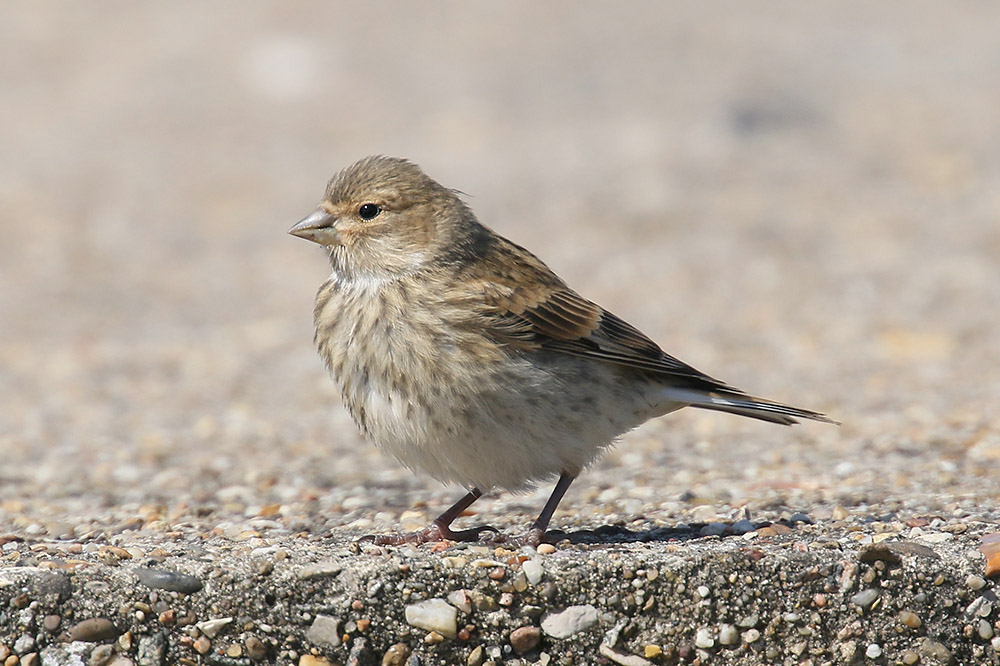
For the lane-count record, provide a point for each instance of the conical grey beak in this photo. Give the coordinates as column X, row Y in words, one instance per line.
column 317, row 227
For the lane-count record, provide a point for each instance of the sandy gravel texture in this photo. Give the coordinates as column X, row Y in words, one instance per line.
column 799, row 199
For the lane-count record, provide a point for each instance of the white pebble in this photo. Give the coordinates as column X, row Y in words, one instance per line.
column 434, row 615
column 533, row 570
column 703, row 639
column 874, row 651
column 570, row 621
column 728, row 634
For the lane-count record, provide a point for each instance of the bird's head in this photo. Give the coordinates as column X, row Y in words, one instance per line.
column 383, row 217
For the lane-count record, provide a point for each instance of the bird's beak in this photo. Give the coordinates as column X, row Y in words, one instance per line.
column 318, row 227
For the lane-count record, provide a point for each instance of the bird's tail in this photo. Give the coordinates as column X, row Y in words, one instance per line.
column 736, row 402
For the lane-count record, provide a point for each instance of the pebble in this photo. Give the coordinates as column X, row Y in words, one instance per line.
column 24, row 643
column 324, row 630
column 622, row 658
column 476, row 657
column 172, row 581
column 980, row 607
column 319, row 570
column 525, row 639
column 865, row 599
column 873, row 651
column 728, row 634
column 743, row 526
column 211, row 628
column 461, row 600
column 256, row 649
column 313, row 660
column 910, row 619
column 910, row 657
column 546, row 549
column 751, row 636
column 533, row 571
column 396, row 655
column 570, row 621
column 985, row 629
column 975, row 582
column 433, row 615
column 703, row 639
column 30, row 659
column 93, row 630
column 51, row 622
column 202, row 645
column 937, row 537
column 935, row 651
column 652, row 651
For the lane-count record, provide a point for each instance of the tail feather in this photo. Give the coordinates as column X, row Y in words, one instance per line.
column 742, row 404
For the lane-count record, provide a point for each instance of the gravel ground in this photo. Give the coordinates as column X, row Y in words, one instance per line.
column 799, row 199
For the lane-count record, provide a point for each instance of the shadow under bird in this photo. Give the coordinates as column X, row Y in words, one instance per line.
column 462, row 355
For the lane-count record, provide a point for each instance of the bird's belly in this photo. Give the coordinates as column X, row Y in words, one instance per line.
column 506, row 424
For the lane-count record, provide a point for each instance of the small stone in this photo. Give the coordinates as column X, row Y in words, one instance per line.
column 937, row 537
column 125, row 641
column 51, row 622
column 433, row 615
column 476, row 657
column 743, row 526
column 622, row 658
column 256, row 649
column 995, row 643
column 865, row 599
column 747, row 621
column 569, row 621
column 839, row 513
column 433, row 638
column 525, row 639
column 313, row 660
column 30, row 659
column 703, row 591
column 483, row 602
column 975, row 582
column 25, row 643
column 910, row 657
column 652, row 651
column 172, row 581
column 167, row 618
column 4, row 652
column 799, row 517
column 751, row 636
column 94, row 630
column 533, row 571
column 910, row 619
column 202, row 645
column 324, row 630
column 211, row 628
column 234, row 651
column 703, row 639
column 728, row 634
column 460, row 599
column 934, row 651
column 396, row 655
column 101, row 655
column 873, row 651
column 985, row 630
column 319, row 570
column 546, row 549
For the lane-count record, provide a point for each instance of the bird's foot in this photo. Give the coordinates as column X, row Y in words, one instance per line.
column 433, row 533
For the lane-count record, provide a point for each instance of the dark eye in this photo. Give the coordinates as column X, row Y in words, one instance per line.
column 368, row 211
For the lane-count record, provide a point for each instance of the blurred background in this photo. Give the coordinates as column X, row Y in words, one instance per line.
column 800, row 199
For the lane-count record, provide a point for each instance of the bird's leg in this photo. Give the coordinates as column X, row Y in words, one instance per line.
column 536, row 534
column 439, row 529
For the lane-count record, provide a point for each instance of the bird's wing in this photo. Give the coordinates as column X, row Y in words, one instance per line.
column 560, row 320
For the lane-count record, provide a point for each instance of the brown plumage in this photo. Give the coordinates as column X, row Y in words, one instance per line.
column 463, row 355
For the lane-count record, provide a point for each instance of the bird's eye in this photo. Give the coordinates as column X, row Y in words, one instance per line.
column 368, row 211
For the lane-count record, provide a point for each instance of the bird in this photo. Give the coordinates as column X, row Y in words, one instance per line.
column 462, row 355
